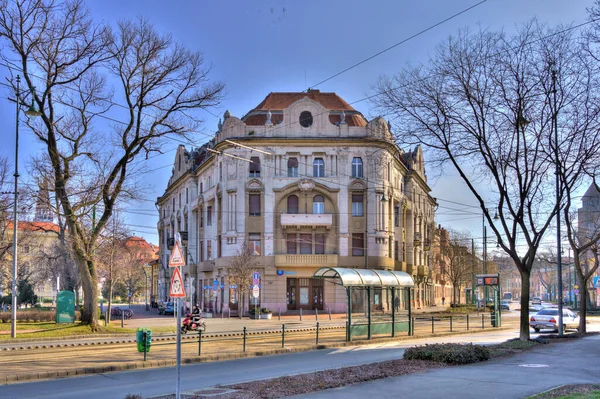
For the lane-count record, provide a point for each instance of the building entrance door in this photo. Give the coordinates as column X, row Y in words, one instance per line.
column 304, row 293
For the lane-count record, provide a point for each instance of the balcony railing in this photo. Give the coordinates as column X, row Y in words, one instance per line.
column 306, row 219
column 309, row 260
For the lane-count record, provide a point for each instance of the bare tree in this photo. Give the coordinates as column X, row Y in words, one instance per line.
column 584, row 239
column 484, row 106
column 240, row 272
column 58, row 48
column 456, row 260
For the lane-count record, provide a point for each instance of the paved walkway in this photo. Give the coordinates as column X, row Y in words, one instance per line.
column 519, row 376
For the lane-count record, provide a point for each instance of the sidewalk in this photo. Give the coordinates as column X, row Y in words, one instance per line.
column 520, row 376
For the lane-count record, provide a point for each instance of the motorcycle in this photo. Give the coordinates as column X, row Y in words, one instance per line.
column 193, row 322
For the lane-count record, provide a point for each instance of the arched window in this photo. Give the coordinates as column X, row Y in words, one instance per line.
column 292, row 166
column 318, row 204
column 357, row 167
column 292, row 204
column 318, row 167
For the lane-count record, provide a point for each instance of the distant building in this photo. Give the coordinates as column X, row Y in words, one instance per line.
column 588, row 224
column 308, row 182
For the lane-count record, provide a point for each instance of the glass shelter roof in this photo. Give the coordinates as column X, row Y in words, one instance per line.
column 366, row 277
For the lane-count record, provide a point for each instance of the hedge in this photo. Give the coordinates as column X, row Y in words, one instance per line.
column 449, row 353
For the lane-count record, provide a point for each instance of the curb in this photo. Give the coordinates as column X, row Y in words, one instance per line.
column 12, row 378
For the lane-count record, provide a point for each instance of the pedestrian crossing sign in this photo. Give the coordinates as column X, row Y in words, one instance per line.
column 176, row 258
column 177, row 290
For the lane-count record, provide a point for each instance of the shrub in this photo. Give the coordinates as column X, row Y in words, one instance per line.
column 449, row 353
column 29, row 316
column 265, row 310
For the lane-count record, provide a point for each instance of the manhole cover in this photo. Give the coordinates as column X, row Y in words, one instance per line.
column 533, row 365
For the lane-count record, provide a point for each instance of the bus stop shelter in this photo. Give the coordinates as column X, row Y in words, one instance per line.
column 386, row 295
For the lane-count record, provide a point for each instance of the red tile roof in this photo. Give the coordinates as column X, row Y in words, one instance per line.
column 35, row 226
column 280, row 101
column 149, row 249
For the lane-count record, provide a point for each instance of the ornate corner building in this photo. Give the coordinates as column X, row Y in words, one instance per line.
column 306, row 181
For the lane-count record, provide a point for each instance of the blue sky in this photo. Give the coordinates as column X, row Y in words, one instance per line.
column 256, row 47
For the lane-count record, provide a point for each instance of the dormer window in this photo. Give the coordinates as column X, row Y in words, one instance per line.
column 306, row 119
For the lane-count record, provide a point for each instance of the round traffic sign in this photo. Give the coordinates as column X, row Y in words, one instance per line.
column 255, row 291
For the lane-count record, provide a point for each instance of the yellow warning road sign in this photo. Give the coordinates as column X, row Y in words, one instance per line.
column 177, row 290
column 176, row 258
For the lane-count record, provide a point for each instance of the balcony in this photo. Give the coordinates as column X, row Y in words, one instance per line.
column 307, row 260
column 306, row 220
column 417, row 240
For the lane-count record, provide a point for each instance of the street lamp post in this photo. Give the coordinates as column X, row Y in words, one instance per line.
column 31, row 112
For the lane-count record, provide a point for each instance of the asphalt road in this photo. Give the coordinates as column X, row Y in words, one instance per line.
column 153, row 382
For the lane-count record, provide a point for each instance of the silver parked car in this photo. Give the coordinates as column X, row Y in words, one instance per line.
column 547, row 318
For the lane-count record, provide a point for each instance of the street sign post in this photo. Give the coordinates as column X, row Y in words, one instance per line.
column 255, row 290
column 177, row 260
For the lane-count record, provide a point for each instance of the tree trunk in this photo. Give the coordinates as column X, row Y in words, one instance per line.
column 583, row 300
column 89, row 314
column 110, row 295
column 524, row 319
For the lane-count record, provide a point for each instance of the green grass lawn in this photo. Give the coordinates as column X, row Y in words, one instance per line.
column 52, row 330
column 583, row 391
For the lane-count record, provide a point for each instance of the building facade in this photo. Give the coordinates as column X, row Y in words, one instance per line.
column 306, row 181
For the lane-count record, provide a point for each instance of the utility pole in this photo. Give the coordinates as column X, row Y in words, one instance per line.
column 558, row 249
column 472, row 271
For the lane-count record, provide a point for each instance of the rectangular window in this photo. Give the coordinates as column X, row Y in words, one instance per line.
column 358, row 244
column 357, row 204
column 209, row 215
column 201, row 217
column 219, row 247
column 187, row 195
column 291, row 244
column 254, row 167
column 201, row 251
column 390, row 248
column 397, row 216
column 396, row 250
column 292, row 167
column 305, row 244
column 254, row 204
column 209, row 249
column 320, row 244
column 318, row 167
column 357, row 167
column 254, row 244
